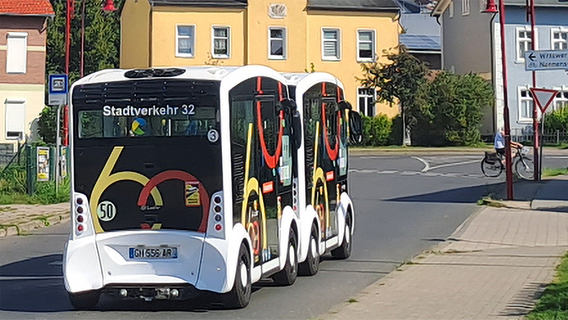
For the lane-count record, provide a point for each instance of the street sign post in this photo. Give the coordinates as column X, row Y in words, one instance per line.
column 546, row 60
column 58, row 92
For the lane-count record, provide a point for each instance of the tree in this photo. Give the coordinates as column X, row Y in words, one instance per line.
column 454, row 108
column 47, row 124
column 402, row 80
column 101, row 47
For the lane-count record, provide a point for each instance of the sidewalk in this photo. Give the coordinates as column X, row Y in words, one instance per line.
column 494, row 266
column 19, row 219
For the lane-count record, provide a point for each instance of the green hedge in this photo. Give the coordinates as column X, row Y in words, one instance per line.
column 377, row 130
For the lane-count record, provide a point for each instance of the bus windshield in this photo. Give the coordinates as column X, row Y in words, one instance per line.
column 180, row 108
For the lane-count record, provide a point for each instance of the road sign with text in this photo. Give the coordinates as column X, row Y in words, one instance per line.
column 543, row 97
column 546, row 60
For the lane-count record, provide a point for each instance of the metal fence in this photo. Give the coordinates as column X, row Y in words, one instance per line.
column 554, row 137
column 38, row 162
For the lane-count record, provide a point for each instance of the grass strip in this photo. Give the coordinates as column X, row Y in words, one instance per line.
column 554, row 301
column 553, row 172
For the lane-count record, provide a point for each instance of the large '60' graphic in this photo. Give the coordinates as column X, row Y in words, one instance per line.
column 106, row 179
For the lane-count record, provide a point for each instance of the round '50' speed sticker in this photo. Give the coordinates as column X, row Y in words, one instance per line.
column 106, row 210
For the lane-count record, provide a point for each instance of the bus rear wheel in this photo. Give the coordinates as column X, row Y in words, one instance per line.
column 344, row 251
column 288, row 275
column 311, row 266
column 239, row 296
column 84, row 300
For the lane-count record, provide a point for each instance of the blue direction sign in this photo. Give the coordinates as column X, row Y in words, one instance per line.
column 58, row 89
column 546, row 60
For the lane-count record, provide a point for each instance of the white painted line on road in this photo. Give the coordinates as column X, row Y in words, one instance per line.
column 426, row 165
column 558, row 157
column 454, row 164
column 410, row 173
column 388, row 172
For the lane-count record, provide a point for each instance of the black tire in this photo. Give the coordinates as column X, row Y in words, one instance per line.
column 344, row 251
column 288, row 275
column 84, row 300
column 311, row 266
column 239, row 296
column 491, row 169
column 525, row 168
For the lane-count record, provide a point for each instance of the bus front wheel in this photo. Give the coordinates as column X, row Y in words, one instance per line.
column 239, row 296
column 288, row 275
column 84, row 300
column 311, row 266
column 344, row 251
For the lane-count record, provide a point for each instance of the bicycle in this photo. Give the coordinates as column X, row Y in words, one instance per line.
column 492, row 164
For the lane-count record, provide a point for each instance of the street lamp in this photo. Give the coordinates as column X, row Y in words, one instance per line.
column 492, row 8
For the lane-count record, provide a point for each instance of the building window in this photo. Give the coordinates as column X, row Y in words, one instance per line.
column 330, row 44
column 221, row 42
column 15, row 119
column 185, row 46
column 366, row 99
column 366, row 45
column 523, row 42
column 561, row 99
column 526, row 105
column 17, row 55
column 277, row 43
column 465, row 7
column 560, row 39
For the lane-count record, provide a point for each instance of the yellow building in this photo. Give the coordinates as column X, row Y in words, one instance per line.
column 287, row 35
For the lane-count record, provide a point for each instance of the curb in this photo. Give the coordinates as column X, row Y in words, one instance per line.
column 35, row 222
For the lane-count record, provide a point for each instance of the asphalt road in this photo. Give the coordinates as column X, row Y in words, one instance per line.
column 404, row 205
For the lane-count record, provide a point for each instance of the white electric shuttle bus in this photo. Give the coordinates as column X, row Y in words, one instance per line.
column 327, row 216
column 187, row 179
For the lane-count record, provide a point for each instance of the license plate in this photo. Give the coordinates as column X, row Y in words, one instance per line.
column 152, row 253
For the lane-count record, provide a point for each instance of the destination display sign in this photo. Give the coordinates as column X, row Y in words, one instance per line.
column 546, row 60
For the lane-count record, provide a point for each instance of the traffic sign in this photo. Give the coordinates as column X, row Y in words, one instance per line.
column 58, row 89
column 543, row 97
column 546, row 60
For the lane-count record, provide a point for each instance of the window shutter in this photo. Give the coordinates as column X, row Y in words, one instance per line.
column 16, row 59
column 15, row 119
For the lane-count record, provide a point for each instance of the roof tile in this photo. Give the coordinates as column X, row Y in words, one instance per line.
column 26, row 7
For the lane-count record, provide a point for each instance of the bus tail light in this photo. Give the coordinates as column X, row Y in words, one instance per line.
column 81, row 216
column 215, row 225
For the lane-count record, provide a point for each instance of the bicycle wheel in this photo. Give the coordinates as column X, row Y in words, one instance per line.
column 525, row 168
column 491, row 169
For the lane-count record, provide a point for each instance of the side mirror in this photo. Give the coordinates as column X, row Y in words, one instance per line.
column 297, row 129
column 288, row 105
column 355, row 127
column 344, row 105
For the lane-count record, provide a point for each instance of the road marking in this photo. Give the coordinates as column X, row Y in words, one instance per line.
column 558, row 157
column 454, row 164
column 426, row 165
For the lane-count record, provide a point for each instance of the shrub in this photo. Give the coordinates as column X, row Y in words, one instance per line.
column 557, row 120
column 376, row 130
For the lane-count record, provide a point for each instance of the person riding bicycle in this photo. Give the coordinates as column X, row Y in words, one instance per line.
column 500, row 144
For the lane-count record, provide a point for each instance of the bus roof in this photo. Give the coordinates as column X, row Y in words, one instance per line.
column 211, row 73
column 309, row 79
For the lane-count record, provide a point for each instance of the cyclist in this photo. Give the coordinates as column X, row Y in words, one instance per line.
column 500, row 145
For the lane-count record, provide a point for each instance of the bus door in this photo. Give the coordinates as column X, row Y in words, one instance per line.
column 262, row 162
column 326, row 153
